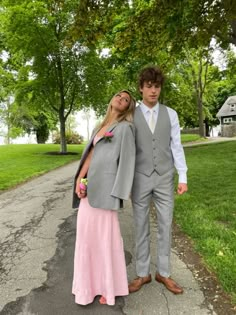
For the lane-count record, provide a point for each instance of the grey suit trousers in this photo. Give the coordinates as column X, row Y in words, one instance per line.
column 161, row 190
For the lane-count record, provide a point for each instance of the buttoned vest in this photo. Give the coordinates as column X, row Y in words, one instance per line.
column 153, row 152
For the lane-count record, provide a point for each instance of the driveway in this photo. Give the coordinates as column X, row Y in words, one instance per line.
column 37, row 235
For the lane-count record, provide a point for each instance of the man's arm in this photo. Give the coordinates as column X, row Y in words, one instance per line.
column 178, row 153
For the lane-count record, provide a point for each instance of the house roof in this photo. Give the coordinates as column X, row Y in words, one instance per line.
column 226, row 109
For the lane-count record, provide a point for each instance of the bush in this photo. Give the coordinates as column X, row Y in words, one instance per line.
column 71, row 138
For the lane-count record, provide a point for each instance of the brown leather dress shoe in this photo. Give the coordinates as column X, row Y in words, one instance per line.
column 170, row 284
column 137, row 283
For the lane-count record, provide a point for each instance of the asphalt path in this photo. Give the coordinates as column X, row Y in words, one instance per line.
column 37, row 236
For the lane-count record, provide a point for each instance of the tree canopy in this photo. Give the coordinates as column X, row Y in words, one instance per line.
column 57, row 69
column 56, row 63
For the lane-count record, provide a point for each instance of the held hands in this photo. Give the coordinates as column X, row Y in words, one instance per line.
column 182, row 188
column 79, row 189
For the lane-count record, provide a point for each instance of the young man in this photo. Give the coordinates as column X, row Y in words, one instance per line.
column 158, row 153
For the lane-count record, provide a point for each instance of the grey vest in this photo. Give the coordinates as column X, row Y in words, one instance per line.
column 153, row 152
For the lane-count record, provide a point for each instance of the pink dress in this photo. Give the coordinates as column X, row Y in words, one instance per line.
column 99, row 261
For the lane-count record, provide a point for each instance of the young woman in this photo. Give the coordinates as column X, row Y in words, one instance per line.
column 107, row 163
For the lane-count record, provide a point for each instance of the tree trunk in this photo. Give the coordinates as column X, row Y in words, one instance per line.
column 207, row 128
column 233, row 34
column 63, row 134
column 8, row 135
column 62, row 108
column 200, row 117
column 8, row 139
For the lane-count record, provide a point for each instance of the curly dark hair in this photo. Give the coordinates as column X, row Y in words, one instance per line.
column 151, row 74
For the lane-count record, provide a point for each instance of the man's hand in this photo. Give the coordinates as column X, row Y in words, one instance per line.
column 182, row 188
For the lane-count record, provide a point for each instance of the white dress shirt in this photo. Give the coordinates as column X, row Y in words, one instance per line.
column 175, row 144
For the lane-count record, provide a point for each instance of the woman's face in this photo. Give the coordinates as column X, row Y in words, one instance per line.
column 120, row 102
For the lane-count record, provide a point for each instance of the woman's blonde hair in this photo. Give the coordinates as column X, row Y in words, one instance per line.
column 126, row 115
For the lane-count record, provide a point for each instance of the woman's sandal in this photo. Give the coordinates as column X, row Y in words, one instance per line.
column 102, row 300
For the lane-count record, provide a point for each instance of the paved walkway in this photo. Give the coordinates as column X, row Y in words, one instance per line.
column 37, row 233
column 209, row 140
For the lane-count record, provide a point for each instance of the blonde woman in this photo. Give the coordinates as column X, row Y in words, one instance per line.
column 107, row 169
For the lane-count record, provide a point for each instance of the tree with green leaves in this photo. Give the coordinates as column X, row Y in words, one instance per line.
column 198, row 21
column 59, row 70
column 199, row 62
column 172, row 24
column 222, row 88
column 9, row 129
column 165, row 29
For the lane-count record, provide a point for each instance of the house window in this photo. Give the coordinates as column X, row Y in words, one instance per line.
column 232, row 107
column 227, row 120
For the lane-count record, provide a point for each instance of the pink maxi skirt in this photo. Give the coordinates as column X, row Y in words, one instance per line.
column 99, row 261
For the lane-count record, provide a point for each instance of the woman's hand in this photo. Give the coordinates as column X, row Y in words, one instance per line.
column 81, row 193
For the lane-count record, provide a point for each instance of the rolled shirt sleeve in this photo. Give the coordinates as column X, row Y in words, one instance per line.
column 177, row 148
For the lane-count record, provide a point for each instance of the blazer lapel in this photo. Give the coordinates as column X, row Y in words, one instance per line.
column 109, row 129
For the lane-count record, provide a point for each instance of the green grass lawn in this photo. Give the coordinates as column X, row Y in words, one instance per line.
column 190, row 138
column 21, row 162
column 207, row 213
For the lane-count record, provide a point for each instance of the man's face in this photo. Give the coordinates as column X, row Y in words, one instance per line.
column 150, row 92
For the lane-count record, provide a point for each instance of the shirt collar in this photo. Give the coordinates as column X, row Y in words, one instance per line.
column 146, row 109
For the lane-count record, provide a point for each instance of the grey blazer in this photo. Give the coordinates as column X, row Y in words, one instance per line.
column 111, row 170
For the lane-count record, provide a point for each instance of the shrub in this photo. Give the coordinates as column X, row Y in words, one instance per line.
column 71, row 138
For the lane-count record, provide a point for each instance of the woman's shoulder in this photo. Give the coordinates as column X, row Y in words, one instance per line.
column 126, row 125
